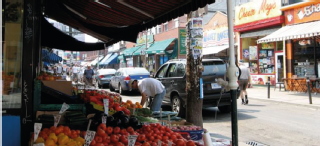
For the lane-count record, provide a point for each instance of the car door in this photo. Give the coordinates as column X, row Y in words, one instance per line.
column 114, row 80
column 161, row 76
column 176, row 77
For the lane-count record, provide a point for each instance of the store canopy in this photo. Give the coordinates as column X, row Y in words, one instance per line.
column 54, row 38
column 159, row 47
column 112, row 21
column 214, row 50
column 104, row 60
column 296, row 31
column 130, row 51
column 138, row 51
column 50, row 57
column 95, row 61
column 112, row 59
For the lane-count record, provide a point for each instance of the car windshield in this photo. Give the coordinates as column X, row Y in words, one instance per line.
column 106, row 71
column 137, row 71
column 214, row 67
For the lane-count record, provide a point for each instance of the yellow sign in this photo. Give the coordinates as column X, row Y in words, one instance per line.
column 257, row 10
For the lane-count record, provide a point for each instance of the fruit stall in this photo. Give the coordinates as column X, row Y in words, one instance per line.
column 100, row 118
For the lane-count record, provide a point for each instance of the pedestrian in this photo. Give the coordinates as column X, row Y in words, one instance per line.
column 243, row 82
column 88, row 74
column 59, row 69
column 150, row 87
column 75, row 71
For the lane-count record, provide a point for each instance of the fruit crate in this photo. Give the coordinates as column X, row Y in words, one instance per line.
column 193, row 135
column 57, row 107
column 54, row 96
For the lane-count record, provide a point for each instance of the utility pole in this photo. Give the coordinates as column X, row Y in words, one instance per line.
column 193, row 73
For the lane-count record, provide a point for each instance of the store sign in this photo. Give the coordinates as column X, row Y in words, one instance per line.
column 303, row 14
column 216, row 37
column 182, row 42
column 257, row 10
column 263, row 79
column 142, row 40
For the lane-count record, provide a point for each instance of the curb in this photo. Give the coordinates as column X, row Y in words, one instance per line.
column 289, row 103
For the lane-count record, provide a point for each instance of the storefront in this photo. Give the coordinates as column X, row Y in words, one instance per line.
column 302, row 41
column 255, row 20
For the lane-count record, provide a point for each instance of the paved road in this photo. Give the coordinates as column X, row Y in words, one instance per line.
column 270, row 123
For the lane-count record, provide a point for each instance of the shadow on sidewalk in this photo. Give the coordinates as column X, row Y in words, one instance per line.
column 209, row 114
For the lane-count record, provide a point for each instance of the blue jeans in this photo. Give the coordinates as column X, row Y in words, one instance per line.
column 157, row 101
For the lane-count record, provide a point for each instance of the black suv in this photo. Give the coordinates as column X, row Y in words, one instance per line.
column 172, row 74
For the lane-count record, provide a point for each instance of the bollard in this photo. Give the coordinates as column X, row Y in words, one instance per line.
column 308, row 85
column 268, row 83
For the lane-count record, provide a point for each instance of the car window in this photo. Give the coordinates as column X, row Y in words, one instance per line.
column 137, row 71
column 214, row 67
column 172, row 70
column 162, row 71
column 180, row 70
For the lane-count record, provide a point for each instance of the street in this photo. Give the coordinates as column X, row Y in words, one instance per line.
column 270, row 123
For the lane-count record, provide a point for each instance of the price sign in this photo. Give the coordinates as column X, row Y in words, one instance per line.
column 89, row 137
column 37, row 128
column 39, row 144
column 106, row 106
column 64, row 108
column 56, row 120
column 132, row 140
column 104, row 120
column 169, row 143
column 159, row 143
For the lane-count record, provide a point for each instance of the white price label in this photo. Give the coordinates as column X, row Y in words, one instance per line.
column 104, row 120
column 159, row 142
column 169, row 143
column 132, row 140
column 56, row 120
column 106, row 106
column 39, row 144
column 37, row 128
column 64, row 108
column 89, row 137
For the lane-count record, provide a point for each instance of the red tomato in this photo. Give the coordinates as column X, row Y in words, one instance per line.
column 124, row 139
column 119, row 144
column 123, row 131
column 126, row 111
column 165, row 138
column 99, row 144
column 154, row 144
column 109, row 130
column 191, row 143
column 180, row 142
column 137, row 144
column 93, row 142
column 141, row 138
column 173, row 137
column 118, row 108
column 103, row 126
column 130, row 130
column 116, row 130
column 151, row 138
column 98, row 139
column 146, row 144
column 114, row 138
column 101, row 132
column 159, row 137
column 106, row 143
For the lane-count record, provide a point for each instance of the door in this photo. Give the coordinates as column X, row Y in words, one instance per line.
column 161, row 76
column 175, row 75
column 279, row 67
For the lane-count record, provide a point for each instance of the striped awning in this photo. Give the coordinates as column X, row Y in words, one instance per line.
column 297, row 31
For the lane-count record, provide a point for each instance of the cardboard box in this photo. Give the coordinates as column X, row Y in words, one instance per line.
column 61, row 86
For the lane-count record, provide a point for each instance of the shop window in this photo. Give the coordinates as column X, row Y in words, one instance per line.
column 166, row 27
column 266, row 58
column 250, row 54
column 176, row 23
column 304, row 60
column 279, row 46
column 12, row 54
column 162, row 71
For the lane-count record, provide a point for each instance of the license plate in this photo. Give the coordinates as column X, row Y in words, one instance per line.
column 215, row 86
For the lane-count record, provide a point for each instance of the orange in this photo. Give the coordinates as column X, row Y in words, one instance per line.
column 63, row 140
column 50, row 142
column 53, row 137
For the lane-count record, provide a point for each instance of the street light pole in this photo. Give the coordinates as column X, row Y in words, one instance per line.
column 233, row 73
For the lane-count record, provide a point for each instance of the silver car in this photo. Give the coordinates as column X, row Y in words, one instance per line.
column 103, row 77
column 123, row 76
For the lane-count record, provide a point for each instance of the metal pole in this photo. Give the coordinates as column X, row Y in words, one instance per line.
column 308, row 85
column 268, row 83
column 233, row 74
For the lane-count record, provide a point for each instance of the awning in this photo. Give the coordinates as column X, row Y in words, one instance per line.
column 138, row 51
column 263, row 32
column 112, row 59
column 159, row 46
column 50, row 57
column 214, row 50
column 130, row 51
column 104, row 60
column 95, row 61
column 297, row 31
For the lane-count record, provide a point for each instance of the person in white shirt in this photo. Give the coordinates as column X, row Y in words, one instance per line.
column 59, row 69
column 150, row 87
column 243, row 82
column 75, row 71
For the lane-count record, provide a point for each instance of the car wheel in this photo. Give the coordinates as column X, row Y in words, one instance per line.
column 121, row 91
column 177, row 106
column 99, row 86
column 111, row 88
column 225, row 108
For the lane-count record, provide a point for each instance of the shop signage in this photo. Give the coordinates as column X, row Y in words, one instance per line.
column 142, row 40
column 263, row 79
column 216, row 37
column 257, row 10
column 182, row 42
column 303, row 14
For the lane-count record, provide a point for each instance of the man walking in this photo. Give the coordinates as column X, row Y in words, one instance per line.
column 150, row 87
column 75, row 71
column 243, row 82
column 88, row 74
column 59, row 69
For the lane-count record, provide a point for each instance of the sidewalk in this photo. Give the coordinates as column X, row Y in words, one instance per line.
column 289, row 97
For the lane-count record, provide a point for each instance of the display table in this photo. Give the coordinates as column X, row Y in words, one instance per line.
column 300, row 84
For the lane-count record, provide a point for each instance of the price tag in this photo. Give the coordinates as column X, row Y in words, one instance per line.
column 56, row 120
column 104, row 120
column 39, row 144
column 89, row 125
column 106, row 106
column 169, row 143
column 159, row 143
column 37, row 128
column 89, row 137
column 64, row 108
column 132, row 140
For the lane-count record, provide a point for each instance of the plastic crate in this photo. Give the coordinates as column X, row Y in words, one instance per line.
column 194, row 134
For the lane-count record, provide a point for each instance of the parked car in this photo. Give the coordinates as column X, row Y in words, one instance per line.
column 123, row 76
column 173, row 76
column 103, row 77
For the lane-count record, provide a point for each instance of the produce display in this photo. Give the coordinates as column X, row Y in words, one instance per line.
column 48, row 77
column 189, row 132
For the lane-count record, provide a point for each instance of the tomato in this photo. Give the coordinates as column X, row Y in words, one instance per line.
column 159, row 137
column 168, row 129
column 151, row 138
column 146, row 144
column 93, row 142
column 118, row 108
column 103, row 126
column 130, row 130
column 154, row 144
column 101, row 132
column 116, row 130
column 173, row 137
column 126, row 111
column 114, row 138
column 165, row 138
column 191, row 143
column 99, row 144
column 180, row 142
column 123, row 131
column 98, row 139
column 119, row 144
column 137, row 144
column 124, row 139
column 141, row 138
column 106, row 143
column 109, row 130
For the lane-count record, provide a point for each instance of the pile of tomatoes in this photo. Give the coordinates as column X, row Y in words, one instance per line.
column 148, row 135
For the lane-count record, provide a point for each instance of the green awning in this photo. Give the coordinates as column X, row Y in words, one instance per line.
column 120, row 57
column 138, row 52
column 130, row 51
column 159, row 47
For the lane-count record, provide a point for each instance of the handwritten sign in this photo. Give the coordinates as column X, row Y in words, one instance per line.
column 37, row 128
column 56, row 120
column 132, row 140
column 89, row 137
column 106, row 106
column 64, row 108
